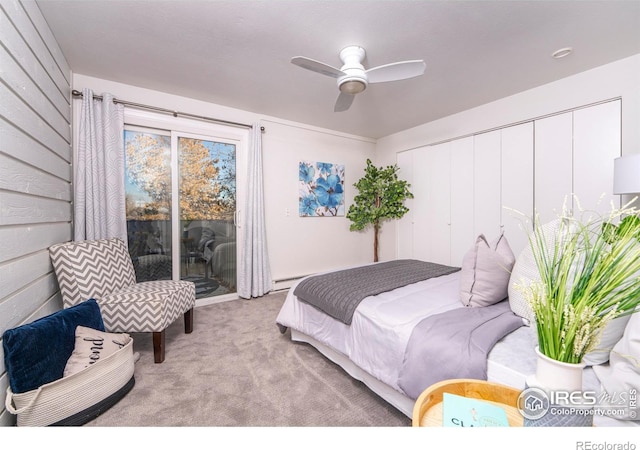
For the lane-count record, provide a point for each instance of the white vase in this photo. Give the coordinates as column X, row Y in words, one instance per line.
column 553, row 375
column 559, row 380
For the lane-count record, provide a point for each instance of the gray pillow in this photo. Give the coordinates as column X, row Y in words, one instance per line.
column 485, row 273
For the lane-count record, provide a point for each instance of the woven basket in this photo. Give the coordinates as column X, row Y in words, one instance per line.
column 78, row 398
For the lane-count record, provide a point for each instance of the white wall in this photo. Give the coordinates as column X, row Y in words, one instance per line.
column 297, row 246
column 35, row 174
column 620, row 79
column 304, row 245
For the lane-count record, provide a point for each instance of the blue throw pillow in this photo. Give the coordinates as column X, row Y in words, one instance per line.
column 36, row 353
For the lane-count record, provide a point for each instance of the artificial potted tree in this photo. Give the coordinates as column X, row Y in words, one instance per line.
column 380, row 197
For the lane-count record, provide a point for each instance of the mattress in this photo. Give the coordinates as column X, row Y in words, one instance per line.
column 372, row 348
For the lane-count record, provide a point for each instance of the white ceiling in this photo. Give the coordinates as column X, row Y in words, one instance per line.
column 237, row 53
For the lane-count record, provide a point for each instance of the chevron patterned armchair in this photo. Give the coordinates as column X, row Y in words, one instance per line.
column 103, row 270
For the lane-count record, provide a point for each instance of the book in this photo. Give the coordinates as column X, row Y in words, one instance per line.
column 458, row 411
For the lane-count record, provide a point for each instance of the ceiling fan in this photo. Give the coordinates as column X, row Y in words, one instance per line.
column 353, row 78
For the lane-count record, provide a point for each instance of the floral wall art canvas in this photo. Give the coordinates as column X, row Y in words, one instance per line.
column 321, row 189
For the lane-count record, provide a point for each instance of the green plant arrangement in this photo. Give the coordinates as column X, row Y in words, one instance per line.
column 381, row 196
column 589, row 275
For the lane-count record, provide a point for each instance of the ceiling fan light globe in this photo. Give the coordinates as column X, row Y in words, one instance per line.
column 352, row 87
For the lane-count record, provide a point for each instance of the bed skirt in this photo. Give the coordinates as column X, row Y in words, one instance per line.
column 396, row 399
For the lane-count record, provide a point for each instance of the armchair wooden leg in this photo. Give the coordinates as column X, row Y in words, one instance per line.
column 158, row 346
column 188, row 321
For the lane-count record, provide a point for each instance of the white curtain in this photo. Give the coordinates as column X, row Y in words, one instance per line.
column 254, row 274
column 99, row 191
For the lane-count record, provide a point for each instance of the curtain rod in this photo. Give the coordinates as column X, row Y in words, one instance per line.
column 77, row 93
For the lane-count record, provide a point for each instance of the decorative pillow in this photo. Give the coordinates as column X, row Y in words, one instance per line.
column 525, row 272
column 611, row 334
column 92, row 346
column 620, row 377
column 485, row 273
column 36, row 353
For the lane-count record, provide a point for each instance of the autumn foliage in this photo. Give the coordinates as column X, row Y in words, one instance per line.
column 206, row 183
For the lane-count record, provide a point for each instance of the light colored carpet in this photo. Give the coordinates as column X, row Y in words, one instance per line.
column 237, row 369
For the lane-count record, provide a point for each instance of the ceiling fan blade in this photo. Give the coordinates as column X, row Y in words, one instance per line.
column 396, row 71
column 343, row 102
column 317, row 66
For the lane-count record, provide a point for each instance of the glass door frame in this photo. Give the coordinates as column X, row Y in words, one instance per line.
column 197, row 129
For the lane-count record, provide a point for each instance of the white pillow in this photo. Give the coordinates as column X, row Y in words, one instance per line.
column 622, row 375
column 91, row 346
column 611, row 334
column 485, row 272
column 525, row 272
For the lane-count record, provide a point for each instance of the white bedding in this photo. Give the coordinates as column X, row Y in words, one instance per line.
column 374, row 344
column 382, row 325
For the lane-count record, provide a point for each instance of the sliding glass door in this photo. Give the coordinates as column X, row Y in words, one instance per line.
column 181, row 203
column 207, row 207
column 149, row 202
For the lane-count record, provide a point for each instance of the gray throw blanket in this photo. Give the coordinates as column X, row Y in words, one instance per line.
column 454, row 344
column 339, row 293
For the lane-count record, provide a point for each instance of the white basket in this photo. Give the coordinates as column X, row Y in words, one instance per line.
column 54, row 402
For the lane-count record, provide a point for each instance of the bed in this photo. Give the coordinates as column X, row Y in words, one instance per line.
column 373, row 346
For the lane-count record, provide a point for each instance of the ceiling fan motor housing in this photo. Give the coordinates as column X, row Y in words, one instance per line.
column 355, row 79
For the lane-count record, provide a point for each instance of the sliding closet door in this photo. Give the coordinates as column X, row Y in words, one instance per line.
column 424, row 232
column 404, row 225
column 517, row 183
column 553, row 165
column 439, row 224
column 487, row 185
column 421, row 242
column 596, row 144
column 462, row 237
column 468, row 186
column 419, row 211
column 574, row 154
column 438, row 197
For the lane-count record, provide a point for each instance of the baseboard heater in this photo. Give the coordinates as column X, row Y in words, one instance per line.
column 286, row 283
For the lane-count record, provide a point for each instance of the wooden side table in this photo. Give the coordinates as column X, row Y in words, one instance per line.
column 427, row 411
